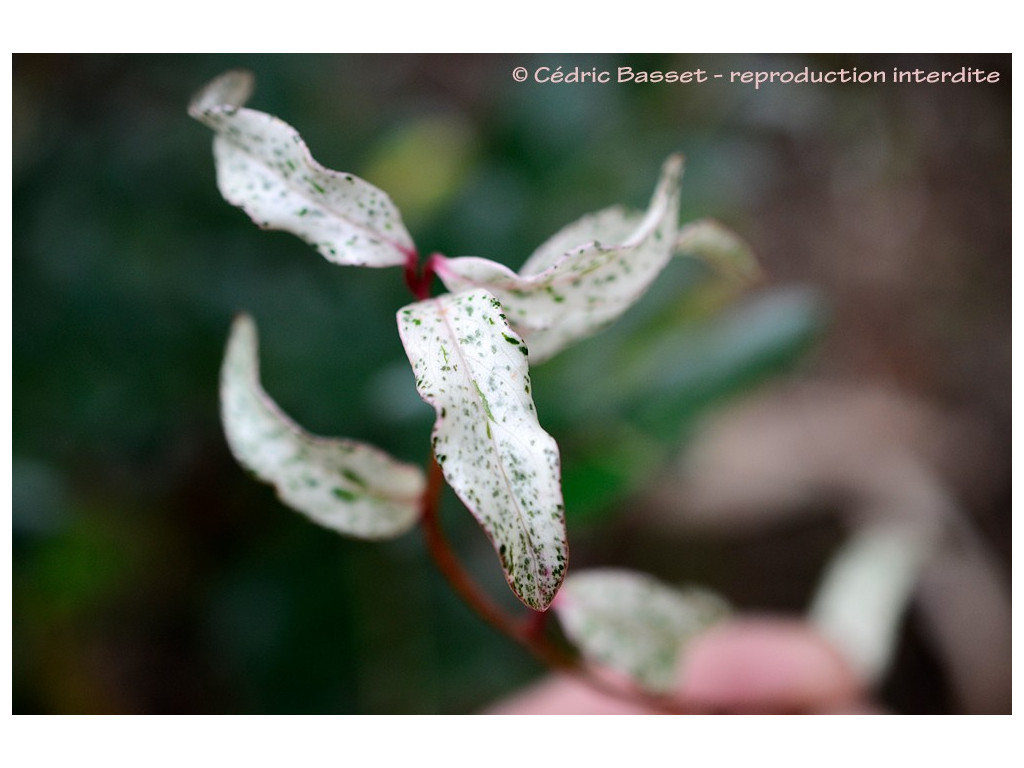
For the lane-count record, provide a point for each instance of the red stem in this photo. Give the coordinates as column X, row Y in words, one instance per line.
column 417, row 280
column 412, row 279
column 449, row 565
column 529, row 632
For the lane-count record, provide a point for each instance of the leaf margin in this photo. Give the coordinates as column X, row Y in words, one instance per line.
column 538, row 310
column 534, row 569
column 349, row 235
column 645, row 646
column 375, row 511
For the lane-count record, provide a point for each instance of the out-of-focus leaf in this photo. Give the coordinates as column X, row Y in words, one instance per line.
column 676, row 374
column 861, row 600
column 583, row 277
column 350, row 487
column 472, row 368
column 720, row 248
column 424, row 163
column 265, row 168
column 632, row 623
column 658, row 379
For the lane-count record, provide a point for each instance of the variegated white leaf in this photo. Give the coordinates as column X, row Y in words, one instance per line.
column 720, row 248
column 632, row 623
column 265, row 168
column 472, row 368
column 583, row 277
column 350, row 487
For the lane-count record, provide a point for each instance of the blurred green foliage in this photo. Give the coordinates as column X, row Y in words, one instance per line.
column 150, row 573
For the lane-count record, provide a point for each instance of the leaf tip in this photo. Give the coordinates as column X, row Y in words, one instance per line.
column 674, row 163
column 228, row 91
column 671, row 175
column 242, row 334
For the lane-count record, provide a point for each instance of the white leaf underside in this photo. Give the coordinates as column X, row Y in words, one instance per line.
column 632, row 623
column 352, row 488
column 585, row 276
column 265, row 168
column 472, row 368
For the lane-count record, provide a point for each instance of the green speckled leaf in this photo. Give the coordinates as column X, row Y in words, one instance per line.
column 632, row 623
column 720, row 248
column 472, row 368
column 350, row 487
column 265, row 168
column 583, row 277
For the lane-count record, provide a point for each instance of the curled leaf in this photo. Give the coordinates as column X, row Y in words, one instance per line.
column 344, row 485
column 265, row 168
column 632, row 623
column 583, row 277
column 472, row 368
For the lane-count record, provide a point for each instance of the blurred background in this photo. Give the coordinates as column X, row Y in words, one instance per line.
column 726, row 437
